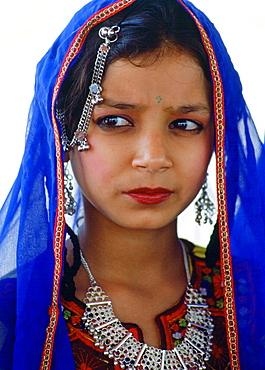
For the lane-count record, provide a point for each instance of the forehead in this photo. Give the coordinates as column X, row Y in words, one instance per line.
column 177, row 77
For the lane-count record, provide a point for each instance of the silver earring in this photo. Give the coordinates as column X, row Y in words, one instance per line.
column 70, row 203
column 204, row 207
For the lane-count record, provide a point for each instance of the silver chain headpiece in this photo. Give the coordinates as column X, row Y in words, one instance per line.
column 109, row 34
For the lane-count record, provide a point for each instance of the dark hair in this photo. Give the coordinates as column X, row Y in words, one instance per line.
column 149, row 29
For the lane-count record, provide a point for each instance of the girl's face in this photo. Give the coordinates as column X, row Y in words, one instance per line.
column 151, row 141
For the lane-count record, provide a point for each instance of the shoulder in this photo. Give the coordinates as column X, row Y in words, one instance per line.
column 8, row 289
column 195, row 250
column 206, row 279
column 7, row 320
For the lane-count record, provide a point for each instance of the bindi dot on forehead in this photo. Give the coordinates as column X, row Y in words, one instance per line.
column 158, row 99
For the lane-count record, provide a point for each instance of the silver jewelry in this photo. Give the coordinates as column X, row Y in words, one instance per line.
column 120, row 345
column 70, row 203
column 109, row 34
column 204, row 207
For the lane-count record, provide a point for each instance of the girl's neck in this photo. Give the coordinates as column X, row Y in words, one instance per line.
column 127, row 255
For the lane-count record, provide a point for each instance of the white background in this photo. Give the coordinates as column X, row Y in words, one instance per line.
column 28, row 28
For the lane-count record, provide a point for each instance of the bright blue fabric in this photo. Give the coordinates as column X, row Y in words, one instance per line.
column 28, row 216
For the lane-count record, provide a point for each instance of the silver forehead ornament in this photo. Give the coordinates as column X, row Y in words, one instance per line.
column 110, row 35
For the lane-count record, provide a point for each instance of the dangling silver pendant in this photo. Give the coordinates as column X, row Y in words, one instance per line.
column 204, row 207
column 70, row 203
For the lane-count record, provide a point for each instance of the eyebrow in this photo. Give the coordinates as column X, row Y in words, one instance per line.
column 120, row 105
column 183, row 109
column 194, row 108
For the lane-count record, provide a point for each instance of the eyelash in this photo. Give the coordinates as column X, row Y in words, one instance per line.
column 109, row 126
column 182, row 125
column 179, row 124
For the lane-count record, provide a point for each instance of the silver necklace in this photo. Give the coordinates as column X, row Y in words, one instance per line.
column 120, row 345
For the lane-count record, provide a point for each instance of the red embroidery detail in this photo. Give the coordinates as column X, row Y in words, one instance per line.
column 218, row 286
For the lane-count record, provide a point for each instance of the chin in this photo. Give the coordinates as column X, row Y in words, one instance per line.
column 147, row 224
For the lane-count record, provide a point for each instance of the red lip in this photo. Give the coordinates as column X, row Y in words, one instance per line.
column 149, row 196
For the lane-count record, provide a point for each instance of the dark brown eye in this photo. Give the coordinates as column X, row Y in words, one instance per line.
column 113, row 121
column 185, row 125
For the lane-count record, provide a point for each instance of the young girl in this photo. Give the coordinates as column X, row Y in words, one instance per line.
column 136, row 95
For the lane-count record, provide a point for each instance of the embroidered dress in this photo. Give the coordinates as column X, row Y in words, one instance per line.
column 33, row 333
column 171, row 323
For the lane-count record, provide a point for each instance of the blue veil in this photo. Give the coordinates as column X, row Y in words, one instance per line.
column 32, row 330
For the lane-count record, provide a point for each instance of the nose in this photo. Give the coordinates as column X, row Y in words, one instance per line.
column 152, row 153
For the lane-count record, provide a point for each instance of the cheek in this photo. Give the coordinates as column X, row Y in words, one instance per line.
column 98, row 169
column 92, row 167
column 195, row 164
column 194, row 173
column 197, row 160
column 207, row 146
